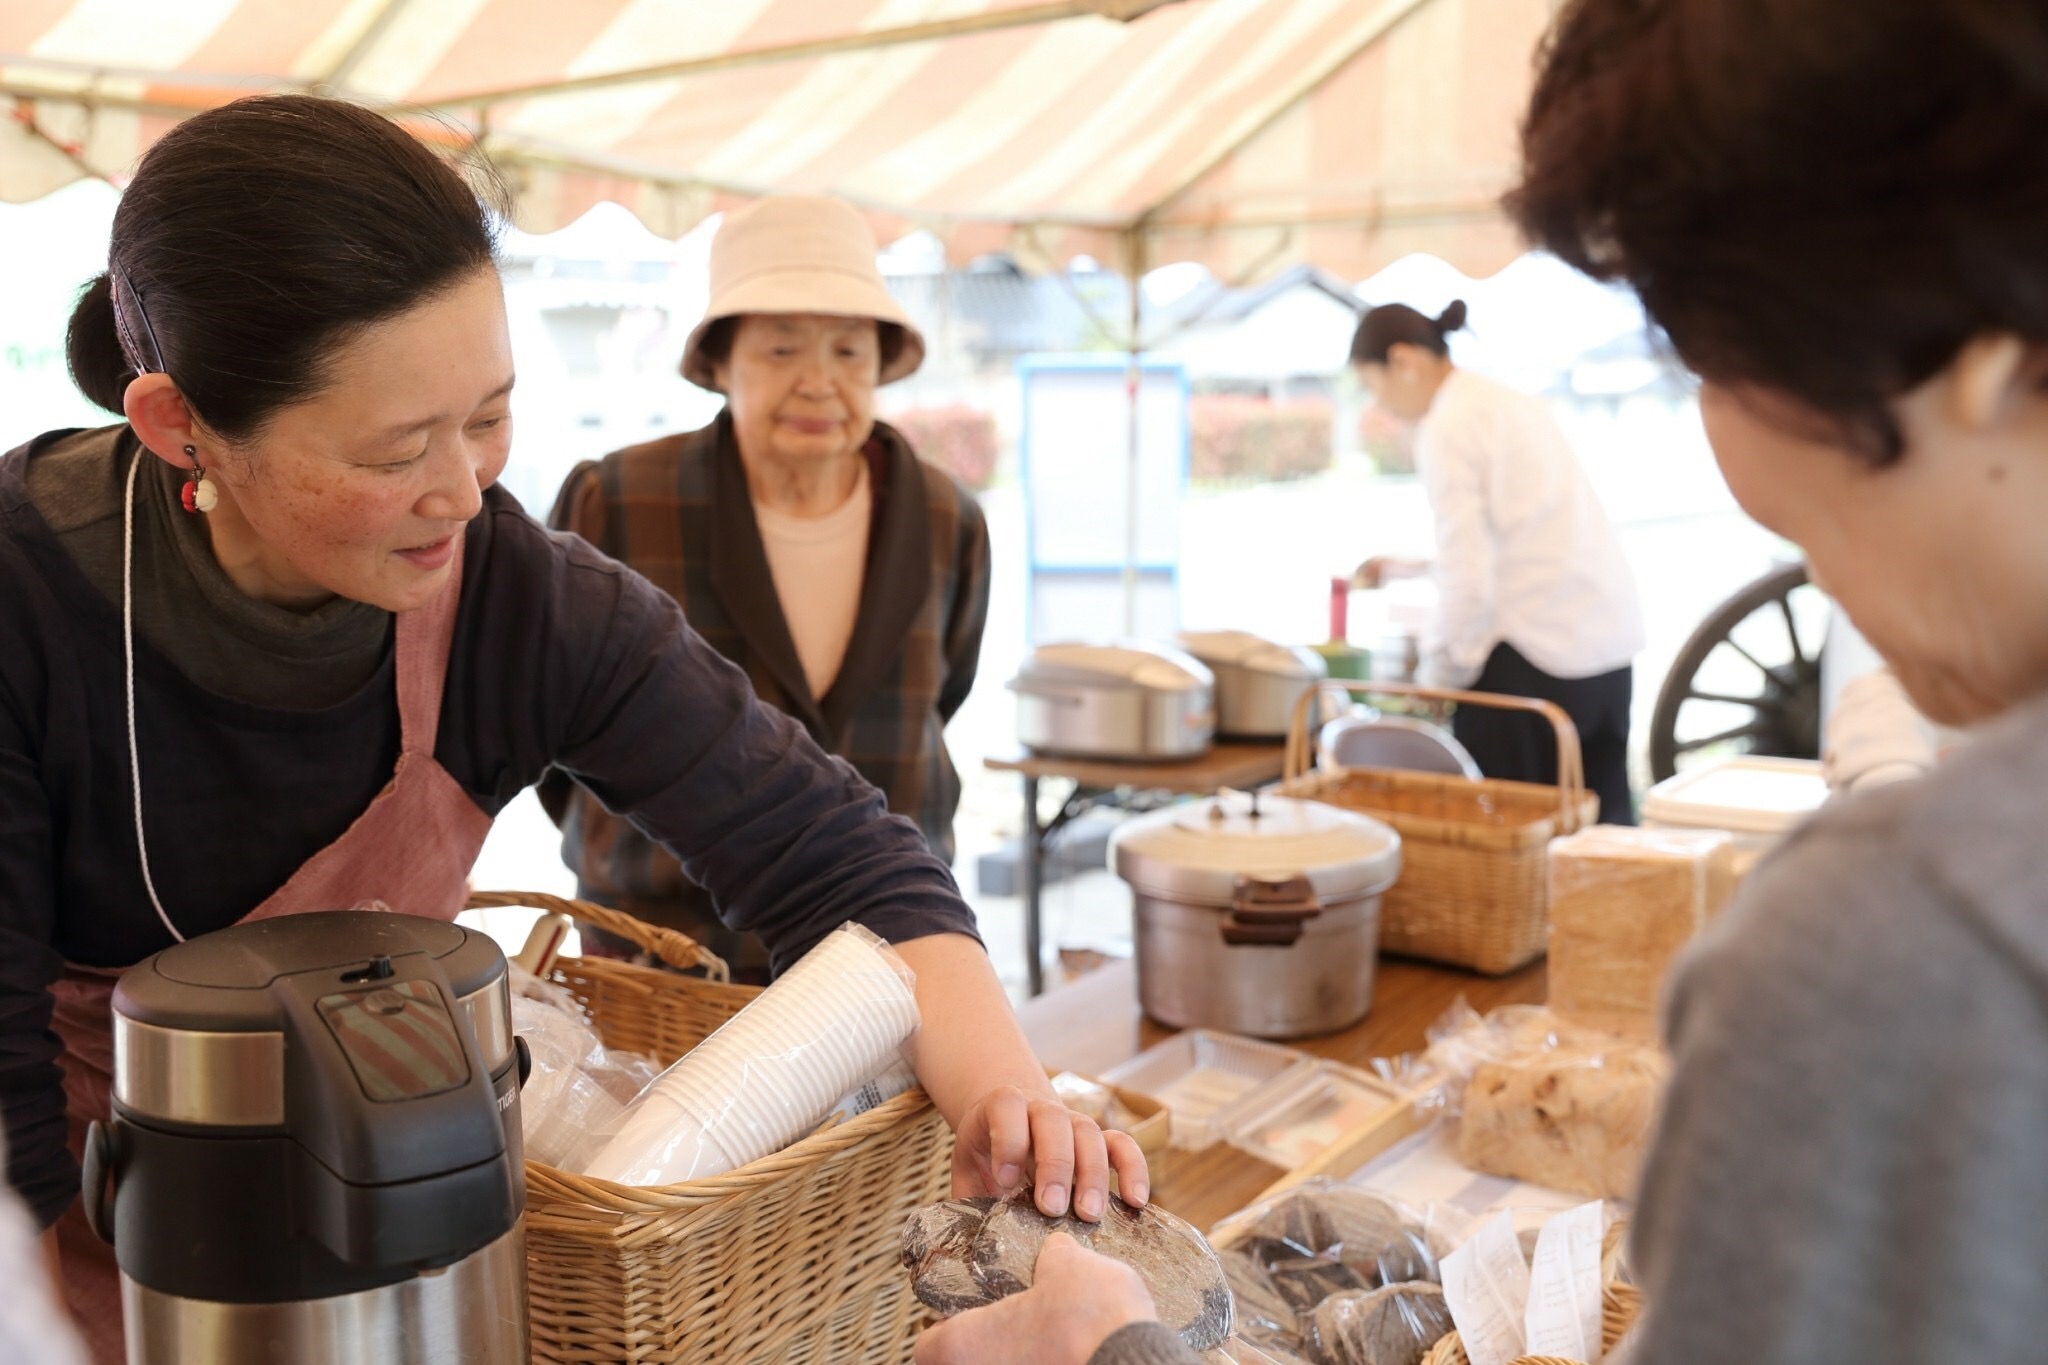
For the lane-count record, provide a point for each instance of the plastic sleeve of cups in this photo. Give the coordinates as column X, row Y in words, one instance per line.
column 886, row 949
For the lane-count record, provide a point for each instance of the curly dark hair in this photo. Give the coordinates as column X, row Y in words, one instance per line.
column 1825, row 199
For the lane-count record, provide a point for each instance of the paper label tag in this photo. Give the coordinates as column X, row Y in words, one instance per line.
column 874, row 1093
column 1486, row 1286
column 1563, row 1316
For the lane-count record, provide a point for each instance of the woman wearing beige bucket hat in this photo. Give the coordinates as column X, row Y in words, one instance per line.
column 804, row 539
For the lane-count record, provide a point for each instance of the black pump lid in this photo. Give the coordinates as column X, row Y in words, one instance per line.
column 221, row 981
column 383, row 1079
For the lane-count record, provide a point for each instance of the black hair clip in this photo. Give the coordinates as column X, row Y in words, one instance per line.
column 121, row 323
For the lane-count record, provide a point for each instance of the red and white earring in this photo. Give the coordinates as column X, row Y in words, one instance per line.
column 197, row 495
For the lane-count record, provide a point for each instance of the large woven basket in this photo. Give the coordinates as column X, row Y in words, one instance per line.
column 794, row 1258
column 1474, row 886
column 1620, row 1305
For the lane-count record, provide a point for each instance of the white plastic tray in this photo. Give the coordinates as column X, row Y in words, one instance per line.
column 1296, row 1118
column 1759, row 797
column 1199, row 1074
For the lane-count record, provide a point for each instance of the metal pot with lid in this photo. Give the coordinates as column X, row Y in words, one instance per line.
column 1256, row 914
column 1258, row 682
column 314, row 1153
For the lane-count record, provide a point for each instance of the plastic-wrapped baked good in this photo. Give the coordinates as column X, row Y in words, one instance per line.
column 1265, row 1319
column 1260, row 1304
column 1392, row 1325
column 1187, row 1284
column 1569, row 1121
column 1303, row 1280
column 999, row 1246
column 1380, row 1241
column 938, row 1242
column 1372, row 1239
column 1538, row 1097
column 1317, row 1242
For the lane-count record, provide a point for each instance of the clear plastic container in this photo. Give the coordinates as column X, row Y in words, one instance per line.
column 1758, row 800
column 1199, row 1074
column 1306, row 1111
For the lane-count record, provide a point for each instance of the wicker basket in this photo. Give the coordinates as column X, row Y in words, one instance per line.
column 1620, row 1305
column 1474, row 885
column 793, row 1258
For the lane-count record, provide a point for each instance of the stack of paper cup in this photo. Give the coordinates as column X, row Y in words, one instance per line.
column 774, row 1071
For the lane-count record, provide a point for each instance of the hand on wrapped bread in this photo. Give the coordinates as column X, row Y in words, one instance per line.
column 1010, row 1138
column 1009, row 1128
column 1076, row 1301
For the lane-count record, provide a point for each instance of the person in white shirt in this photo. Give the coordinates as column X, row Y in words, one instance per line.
column 1536, row 596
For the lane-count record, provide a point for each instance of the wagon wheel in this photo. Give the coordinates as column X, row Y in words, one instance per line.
column 1747, row 682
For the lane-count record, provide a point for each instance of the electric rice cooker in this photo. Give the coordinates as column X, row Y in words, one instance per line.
column 1125, row 702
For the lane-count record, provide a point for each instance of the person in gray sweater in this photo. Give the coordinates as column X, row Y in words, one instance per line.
column 1837, row 211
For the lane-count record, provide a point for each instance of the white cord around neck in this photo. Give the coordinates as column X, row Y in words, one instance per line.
column 128, row 669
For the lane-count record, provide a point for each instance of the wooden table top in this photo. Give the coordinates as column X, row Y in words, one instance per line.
column 1093, row 1024
column 1225, row 765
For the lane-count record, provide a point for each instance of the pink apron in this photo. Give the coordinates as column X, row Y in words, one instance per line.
column 411, row 848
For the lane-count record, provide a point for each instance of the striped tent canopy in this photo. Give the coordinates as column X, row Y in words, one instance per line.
column 1246, row 135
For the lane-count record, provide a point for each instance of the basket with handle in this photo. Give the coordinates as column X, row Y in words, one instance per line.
column 1474, row 884
column 793, row 1258
column 1620, row 1306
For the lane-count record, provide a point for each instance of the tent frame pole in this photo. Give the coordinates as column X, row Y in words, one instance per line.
column 1134, row 380
column 934, row 30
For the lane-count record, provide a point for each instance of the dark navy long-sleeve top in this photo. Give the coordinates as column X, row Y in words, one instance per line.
column 561, row 657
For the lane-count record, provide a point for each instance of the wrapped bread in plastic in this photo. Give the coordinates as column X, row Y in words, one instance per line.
column 1316, row 1242
column 967, row 1253
column 1363, row 1240
column 1260, row 1306
column 1301, row 1279
column 1573, row 1119
column 1623, row 903
column 1393, row 1325
column 938, row 1246
column 1262, row 1317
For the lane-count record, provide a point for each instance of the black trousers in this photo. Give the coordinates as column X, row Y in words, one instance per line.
column 1519, row 747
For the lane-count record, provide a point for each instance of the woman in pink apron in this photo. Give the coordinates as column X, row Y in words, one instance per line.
column 278, row 646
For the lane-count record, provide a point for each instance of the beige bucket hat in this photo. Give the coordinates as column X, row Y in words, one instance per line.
column 798, row 253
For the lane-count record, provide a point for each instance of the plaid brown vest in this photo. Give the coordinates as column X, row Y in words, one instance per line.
column 677, row 510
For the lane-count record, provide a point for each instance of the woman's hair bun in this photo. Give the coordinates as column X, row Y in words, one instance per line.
column 1452, row 318
column 93, row 347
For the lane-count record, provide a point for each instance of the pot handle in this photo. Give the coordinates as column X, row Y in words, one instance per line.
column 1050, row 693
column 97, row 1179
column 1270, row 913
